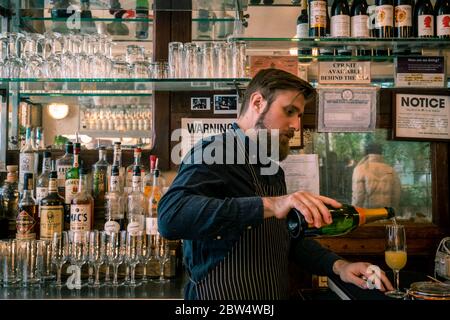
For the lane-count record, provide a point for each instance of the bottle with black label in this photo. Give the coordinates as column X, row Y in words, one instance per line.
column 442, row 10
column 360, row 24
column 51, row 210
column 424, row 19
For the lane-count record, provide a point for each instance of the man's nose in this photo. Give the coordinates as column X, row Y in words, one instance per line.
column 295, row 124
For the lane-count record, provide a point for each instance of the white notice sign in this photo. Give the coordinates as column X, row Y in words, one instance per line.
column 422, row 116
column 301, row 172
column 194, row 129
column 353, row 72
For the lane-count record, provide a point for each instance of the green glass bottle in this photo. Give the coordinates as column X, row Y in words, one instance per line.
column 345, row 219
column 71, row 184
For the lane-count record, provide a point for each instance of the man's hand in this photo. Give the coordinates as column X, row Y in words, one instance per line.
column 359, row 272
column 312, row 207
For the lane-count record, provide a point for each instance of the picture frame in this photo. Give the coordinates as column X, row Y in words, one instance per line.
column 225, row 104
column 200, row 103
column 421, row 114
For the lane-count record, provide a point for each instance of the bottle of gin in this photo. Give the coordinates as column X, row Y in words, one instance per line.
column 42, row 180
column 27, row 221
column 27, row 159
column 114, row 205
column 137, row 204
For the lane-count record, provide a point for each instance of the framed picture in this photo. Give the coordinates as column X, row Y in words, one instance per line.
column 225, row 103
column 421, row 114
column 200, row 103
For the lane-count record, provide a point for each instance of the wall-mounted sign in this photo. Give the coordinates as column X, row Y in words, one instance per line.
column 286, row 63
column 347, row 109
column 422, row 116
column 420, row 72
column 350, row 72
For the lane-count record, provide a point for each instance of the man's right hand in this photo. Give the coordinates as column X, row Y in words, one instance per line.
column 312, row 207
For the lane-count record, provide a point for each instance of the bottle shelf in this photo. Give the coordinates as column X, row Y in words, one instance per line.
column 117, row 133
column 118, row 86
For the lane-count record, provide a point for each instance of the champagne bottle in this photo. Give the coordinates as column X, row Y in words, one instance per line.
column 345, row 219
column 442, row 10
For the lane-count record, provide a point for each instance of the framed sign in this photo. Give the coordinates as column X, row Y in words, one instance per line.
column 421, row 114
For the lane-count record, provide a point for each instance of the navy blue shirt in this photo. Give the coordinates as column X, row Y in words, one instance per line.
column 211, row 203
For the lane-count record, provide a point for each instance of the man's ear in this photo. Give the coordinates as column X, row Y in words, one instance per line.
column 257, row 102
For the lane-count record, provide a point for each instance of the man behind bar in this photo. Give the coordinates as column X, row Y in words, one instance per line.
column 228, row 203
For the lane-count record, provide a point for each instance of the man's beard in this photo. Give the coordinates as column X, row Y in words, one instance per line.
column 280, row 137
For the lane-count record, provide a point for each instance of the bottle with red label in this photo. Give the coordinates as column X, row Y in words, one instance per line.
column 442, row 13
column 424, row 19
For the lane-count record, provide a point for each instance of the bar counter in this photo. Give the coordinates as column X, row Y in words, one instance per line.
column 172, row 289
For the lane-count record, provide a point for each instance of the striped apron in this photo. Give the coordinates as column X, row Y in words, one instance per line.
column 257, row 266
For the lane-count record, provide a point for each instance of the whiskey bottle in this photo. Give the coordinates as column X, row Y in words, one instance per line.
column 82, row 206
column 51, row 210
column 27, row 222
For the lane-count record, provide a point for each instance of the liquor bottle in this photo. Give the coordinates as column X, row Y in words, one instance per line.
column 360, row 24
column 42, row 180
column 137, row 204
column 442, row 9
column 39, row 141
column 117, row 161
column 136, row 162
column 142, row 13
column 149, row 177
column 303, row 31
column 27, row 221
column 4, row 223
column 424, row 19
column 87, row 25
column 114, row 205
column 151, row 221
column 10, row 199
column 345, row 219
column 51, row 210
column 317, row 18
column 100, row 186
column 71, row 184
column 403, row 19
column 82, row 206
column 63, row 165
column 61, row 9
column 27, row 159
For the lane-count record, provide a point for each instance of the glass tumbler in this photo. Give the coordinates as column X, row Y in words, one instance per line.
column 175, row 59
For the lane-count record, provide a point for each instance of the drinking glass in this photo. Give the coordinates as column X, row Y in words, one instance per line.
column 133, row 252
column 9, row 266
column 162, row 254
column 147, row 254
column 79, row 250
column 60, row 253
column 395, row 255
column 97, row 252
column 115, row 251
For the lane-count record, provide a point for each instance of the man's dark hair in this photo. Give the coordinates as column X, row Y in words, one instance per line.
column 373, row 148
column 268, row 81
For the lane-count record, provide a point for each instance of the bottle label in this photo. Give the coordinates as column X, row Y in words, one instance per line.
column 134, row 227
column 80, row 217
column 443, row 25
column 136, row 183
column 340, row 26
column 111, row 226
column 425, row 25
column 360, row 26
column 302, row 30
column 24, row 226
column 115, row 183
column 61, row 171
column 151, row 226
column 71, row 189
column 41, row 193
column 318, row 14
column 26, row 165
column 384, row 16
column 403, row 16
column 51, row 221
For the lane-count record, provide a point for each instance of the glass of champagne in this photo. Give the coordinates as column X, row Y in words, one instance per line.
column 395, row 255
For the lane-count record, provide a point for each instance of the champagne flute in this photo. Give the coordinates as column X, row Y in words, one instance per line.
column 115, row 252
column 60, row 253
column 162, row 254
column 395, row 255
